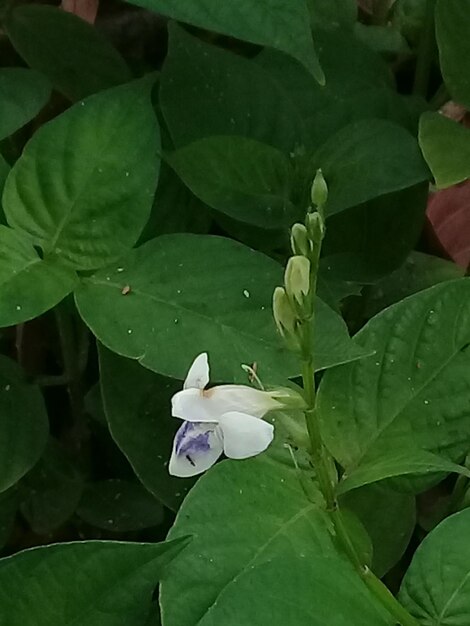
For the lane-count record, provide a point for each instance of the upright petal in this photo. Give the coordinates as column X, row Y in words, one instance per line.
column 196, row 447
column 192, row 405
column 244, row 435
column 226, row 398
column 198, row 374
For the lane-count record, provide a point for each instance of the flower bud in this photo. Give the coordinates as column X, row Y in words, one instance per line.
column 285, row 317
column 319, row 191
column 297, row 279
column 315, row 227
column 299, row 240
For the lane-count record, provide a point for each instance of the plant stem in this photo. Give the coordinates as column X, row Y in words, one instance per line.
column 425, row 52
column 324, row 466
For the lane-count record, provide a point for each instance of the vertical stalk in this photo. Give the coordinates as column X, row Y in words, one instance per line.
column 324, row 462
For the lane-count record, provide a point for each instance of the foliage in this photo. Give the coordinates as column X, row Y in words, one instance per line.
column 154, row 200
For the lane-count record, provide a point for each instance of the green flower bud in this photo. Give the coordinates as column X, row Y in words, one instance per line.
column 319, row 191
column 285, row 317
column 315, row 227
column 299, row 240
column 297, row 279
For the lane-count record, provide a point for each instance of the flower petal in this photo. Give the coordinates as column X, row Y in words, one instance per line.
column 192, row 405
column 196, row 447
column 226, row 398
column 244, row 435
column 198, row 374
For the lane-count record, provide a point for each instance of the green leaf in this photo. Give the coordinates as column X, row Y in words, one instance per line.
column 119, row 506
column 8, row 508
column 332, row 13
column 251, row 523
column 78, row 60
column 454, row 47
column 210, row 294
column 412, row 393
column 91, row 583
column 249, row 181
column 84, row 186
column 206, row 90
column 23, row 427
column 436, row 587
column 51, row 491
column 411, row 462
column 419, row 272
column 372, row 239
column 389, row 518
column 280, row 24
column 23, row 93
column 446, row 148
column 140, row 423
column 29, row 285
column 368, row 159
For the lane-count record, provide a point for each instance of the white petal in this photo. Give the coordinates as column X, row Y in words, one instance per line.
column 198, row 374
column 193, row 406
column 244, row 435
column 242, row 398
column 196, row 447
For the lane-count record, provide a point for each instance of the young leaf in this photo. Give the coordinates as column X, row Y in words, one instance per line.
column 140, row 423
column 23, row 427
column 436, row 586
column 368, row 159
column 210, row 294
column 23, row 93
column 84, row 186
column 29, row 285
column 446, row 148
column 389, row 518
column 251, row 522
column 206, row 90
column 249, row 181
column 78, row 60
column 412, row 394
column 280, row 24
column 91, row 583
column 119, row 506
column 454, row 47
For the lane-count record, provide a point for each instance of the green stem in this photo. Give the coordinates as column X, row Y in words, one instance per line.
column 324, row 465
column 425, row 53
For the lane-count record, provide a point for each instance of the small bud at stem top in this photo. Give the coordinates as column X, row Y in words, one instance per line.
column 319, row 191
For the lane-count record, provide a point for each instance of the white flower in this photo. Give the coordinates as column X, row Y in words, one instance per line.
column 222, row 419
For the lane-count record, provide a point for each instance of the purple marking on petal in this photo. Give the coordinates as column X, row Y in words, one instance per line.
column 188, row 443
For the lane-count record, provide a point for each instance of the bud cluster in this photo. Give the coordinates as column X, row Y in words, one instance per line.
column 293, row 304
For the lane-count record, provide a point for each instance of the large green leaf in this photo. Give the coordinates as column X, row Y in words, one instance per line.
column 29, row 285
column 446, row 148
column 119, row 506
column 249, row 181
column 436, row 587
column 72, row 53
column 368, row 159
column 23, row 424
column 206, row 90
column 454, row 47
column 51, row 491
column 23, row 93
column 140, row 423
column 413, row 392
column 280, row 24
column 251, row 523
column 374, row 238
column 389, row 518
column 91, row 583
column 179, row 295
column 84, row 186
